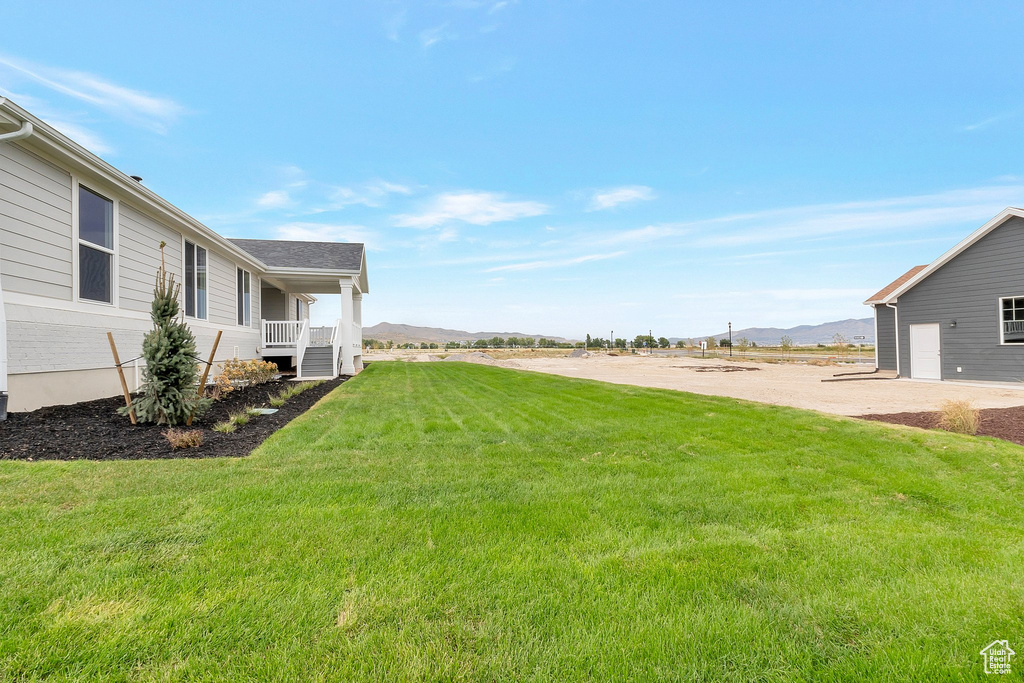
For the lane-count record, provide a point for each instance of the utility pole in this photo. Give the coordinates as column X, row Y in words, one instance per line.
column 730, row 340
column 611, row 340
column 650, row 343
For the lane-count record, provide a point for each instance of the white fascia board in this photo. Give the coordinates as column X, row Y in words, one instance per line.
column 59, row 146
column 1004, row 215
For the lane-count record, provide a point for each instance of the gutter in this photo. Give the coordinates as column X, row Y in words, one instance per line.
column 25, row 131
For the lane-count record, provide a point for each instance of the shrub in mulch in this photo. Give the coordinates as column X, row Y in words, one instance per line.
column 1001, row 423
column 93, row 430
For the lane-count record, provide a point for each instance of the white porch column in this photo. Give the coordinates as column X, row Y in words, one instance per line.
column 357, row 332
column 347, row 316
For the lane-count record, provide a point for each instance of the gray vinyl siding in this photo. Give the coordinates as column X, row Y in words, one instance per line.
column 257, row 297
column 35, row 225
column 885, row 321
column 139, row 257
column 967, row 289
column 221, row 274
column 273, row 303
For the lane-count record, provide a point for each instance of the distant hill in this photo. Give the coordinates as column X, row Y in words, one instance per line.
column 803, row 334
column 404, row 334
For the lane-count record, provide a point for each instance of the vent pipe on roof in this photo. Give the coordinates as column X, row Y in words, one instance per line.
column 23, row 132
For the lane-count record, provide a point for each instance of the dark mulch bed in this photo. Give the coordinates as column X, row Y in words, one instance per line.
column 1002, row 423
column 93, row 430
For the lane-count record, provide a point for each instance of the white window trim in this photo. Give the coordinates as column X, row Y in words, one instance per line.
column 999, row 320
column 195, row 299
column 235, row 314
column 76, row 243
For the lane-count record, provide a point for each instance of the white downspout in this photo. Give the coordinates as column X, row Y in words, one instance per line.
column 25, row 131
column 874, row 309
column 20, row 134
column 896, row 326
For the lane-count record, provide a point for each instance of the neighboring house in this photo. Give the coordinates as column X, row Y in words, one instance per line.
column 960, row 317
column 79, row 252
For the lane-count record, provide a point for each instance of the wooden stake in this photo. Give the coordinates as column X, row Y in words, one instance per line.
column 120, row 373
column 206, row 372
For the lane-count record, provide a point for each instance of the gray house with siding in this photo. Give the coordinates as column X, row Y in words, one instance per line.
column 79, row 250
column 960, row 317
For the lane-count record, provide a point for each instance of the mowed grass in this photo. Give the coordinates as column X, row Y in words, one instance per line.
column 451, row 521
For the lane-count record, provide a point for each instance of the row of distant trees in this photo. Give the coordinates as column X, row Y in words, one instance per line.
column 641, row 341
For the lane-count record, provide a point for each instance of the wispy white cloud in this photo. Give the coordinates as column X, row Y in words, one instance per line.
column 808, row 294
column 275, row 199
column 143, row 109
column 608, row 199
column 321, row 232
column 554, row 263
column 87, row 138
column 503, row 67
column 372, row 194
column 475, row 208
column 997, row 118
column 430, row 37
column 892, row 215
column 643, row 235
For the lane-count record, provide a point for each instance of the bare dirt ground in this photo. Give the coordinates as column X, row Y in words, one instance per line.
column 791, row 384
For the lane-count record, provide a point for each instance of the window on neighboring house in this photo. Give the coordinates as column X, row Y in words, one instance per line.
column 95, row 246
column 1012, row 313
column 195, row 281
column 244, row 297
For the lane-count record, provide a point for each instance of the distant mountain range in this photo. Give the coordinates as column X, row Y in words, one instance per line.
column 404, row 334
column 803, row 334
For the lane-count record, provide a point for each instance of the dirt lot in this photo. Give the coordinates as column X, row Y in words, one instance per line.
column 797, row 385
column 794, row 385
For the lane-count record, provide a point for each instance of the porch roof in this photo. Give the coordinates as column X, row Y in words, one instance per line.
column 310, row 267
column 332, row 256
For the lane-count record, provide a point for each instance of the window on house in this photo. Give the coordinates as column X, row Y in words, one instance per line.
column 95, row 246
column 195, row 281
column 1012, row 313
column 244, row 297
column 298, row 309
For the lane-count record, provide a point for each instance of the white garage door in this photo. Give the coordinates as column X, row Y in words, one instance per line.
column 925, row 362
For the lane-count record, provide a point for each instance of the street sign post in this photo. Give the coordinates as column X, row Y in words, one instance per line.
column 859, row 338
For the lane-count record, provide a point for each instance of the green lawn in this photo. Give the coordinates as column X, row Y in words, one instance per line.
column 452, row 521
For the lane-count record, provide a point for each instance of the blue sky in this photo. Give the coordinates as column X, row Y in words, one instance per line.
column 557, row 167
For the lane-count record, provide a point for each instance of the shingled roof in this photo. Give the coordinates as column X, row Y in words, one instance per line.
column 894, row 285
column 311, row 255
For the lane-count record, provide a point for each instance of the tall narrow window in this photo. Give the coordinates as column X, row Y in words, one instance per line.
column 244, row 297
column 195, row 281
column 298, row 309
column 95, row 246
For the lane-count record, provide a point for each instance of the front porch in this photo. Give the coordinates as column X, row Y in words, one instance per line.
column 303, row 269
column 318, row 351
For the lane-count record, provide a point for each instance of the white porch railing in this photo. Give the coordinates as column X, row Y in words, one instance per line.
column 322, row 336
column 300, row 346
column 281, row 333
column 1013, row 326
column 336, row 344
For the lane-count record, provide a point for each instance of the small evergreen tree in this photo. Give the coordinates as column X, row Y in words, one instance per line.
column 171, row 378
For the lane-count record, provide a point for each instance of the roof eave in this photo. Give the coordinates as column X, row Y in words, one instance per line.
column 1002, row 217
column 54, row 141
